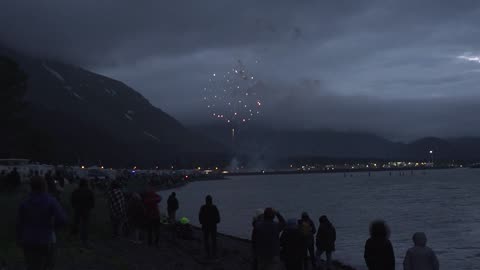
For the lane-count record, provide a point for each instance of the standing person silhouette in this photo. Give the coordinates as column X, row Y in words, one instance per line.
column 326, row 237
column 420, row 257
column 172, row 207
column 266, row 240
column 307, row 227
column 151, row 201
column 209, row 217
column 293, row 244
column 83, row 202
column 378, row 248
column 38, row 216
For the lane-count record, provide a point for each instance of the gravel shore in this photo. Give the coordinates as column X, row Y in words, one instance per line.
column 174, row 254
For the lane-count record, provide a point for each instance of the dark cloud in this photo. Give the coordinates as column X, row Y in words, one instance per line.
column 374, row 61
column 305, row 106
column 92, row 32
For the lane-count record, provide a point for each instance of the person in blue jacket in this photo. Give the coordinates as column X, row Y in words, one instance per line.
column 38, row 217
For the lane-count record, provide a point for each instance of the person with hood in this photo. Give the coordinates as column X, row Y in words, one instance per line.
column 209, row 217
column 266, row 239
column 326, row 236
column 420, row 257
column 151, row 201
column 307, row 227
column 83, row 201
column 172, row 207
column 293, row 245
column 38, row 216
column 378, row 248
column 116, row 202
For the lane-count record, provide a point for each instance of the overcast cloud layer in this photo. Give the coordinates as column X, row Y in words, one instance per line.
column 403, row 69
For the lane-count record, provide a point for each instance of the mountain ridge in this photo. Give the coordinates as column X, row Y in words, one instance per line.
column 129, row 129
column 283, row 144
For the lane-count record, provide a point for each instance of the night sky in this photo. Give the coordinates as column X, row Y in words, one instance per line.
column 402, row 69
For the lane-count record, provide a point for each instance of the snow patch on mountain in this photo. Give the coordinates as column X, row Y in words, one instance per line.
column 129, row 115
column 77, row 96
column 111, row 92
column 151, row 136
column 73, row 93
column 53, row 72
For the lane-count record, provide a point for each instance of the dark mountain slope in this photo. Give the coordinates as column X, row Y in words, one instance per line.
column 89, row 118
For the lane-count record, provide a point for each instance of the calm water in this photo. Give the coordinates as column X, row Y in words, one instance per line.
column 444, row 204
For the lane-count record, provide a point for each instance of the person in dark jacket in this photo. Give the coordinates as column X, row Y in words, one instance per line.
column 38, row 216
column 83, row 201
column 136, row 216
column 378, row 248
column 266, row 239
column 293, row 245
column 307, row 227
column 172, row 207
column 209, row 217
column 326, row 236
column 151, row 201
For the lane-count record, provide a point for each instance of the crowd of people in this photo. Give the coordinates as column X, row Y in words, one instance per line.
column 276, row 243
column 291, row 242
column 43, row 214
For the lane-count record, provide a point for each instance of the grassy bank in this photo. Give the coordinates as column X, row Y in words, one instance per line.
column 121, row 254
column 115, row 254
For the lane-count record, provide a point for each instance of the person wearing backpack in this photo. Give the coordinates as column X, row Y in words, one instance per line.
column 307, row 227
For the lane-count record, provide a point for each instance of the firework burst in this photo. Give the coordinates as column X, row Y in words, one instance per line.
column 231, row 96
